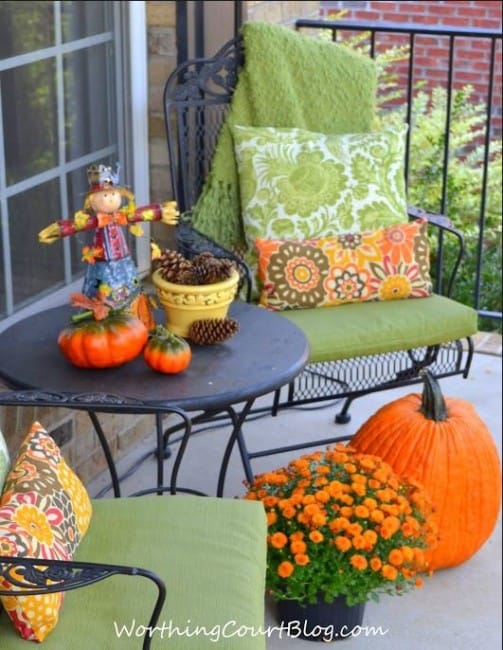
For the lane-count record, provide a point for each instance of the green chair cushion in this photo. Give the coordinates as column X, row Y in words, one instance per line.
column 367, row 328
column 210, row 553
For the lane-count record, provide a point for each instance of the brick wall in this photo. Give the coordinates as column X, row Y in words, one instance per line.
column 471, row 56
column 457, row 13
column 73, row 431
column 284, row 13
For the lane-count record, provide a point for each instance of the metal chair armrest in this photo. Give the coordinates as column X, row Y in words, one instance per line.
column 439, row 220
column 34, row 576
column 444, row 225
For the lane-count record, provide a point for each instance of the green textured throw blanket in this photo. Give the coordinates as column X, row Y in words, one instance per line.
column 288, row 80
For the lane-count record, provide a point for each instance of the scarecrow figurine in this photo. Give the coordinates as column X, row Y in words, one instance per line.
column 111, row 274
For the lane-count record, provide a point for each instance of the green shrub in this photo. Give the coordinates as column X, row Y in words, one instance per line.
column 463, row 194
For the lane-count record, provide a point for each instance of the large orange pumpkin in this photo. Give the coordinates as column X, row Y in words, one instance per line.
column 447, row 447
column 104, row 343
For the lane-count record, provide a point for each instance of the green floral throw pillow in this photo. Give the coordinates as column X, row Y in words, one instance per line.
column 295, row 184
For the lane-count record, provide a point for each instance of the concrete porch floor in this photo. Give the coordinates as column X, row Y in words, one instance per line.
column 459, row 607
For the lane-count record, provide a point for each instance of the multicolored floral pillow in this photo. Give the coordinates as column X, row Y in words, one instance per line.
column 385, row 264
column 44, row 512
column 295, row 184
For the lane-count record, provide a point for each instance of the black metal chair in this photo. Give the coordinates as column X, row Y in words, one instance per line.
column 197, row 97
column 179, row 540
column 31, row 577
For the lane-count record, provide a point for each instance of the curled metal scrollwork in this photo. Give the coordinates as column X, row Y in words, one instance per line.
column 27, row 576
column 215, row 77
column 30, row 576
column 57, row 398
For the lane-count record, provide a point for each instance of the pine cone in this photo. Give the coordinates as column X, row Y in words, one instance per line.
column 205, row 268
column 203, row 258
column 210, row 269
column 210, row 331
column 171, row 264
column 186, row 276
column 168, row 258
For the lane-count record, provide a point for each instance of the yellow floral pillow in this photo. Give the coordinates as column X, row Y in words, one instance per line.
column 386, row 264
column 44, row 512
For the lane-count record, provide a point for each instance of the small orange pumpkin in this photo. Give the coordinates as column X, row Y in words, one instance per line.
column 166, row 352
column 444, row 445
column 104, row 343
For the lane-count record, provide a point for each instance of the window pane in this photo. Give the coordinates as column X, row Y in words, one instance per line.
column 81, row 19
column 25, row 27
column 89, row 96
column 35, row 266
column 29, row 119
column 58, row 110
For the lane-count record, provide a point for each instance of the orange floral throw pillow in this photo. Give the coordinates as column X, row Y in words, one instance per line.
column 44, row 513
column 386, row 264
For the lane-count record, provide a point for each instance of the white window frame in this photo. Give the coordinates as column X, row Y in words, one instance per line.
column 138, row 95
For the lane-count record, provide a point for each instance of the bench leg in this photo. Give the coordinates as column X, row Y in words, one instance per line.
column 343, row 417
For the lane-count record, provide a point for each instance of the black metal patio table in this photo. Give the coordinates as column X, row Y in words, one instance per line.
column 266, row 354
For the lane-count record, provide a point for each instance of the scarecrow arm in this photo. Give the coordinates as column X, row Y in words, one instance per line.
column 65, row 227
column 165, row 212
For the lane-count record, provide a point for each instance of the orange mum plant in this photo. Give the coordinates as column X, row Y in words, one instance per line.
column 341, row 523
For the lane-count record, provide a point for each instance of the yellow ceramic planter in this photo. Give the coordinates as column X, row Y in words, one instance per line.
column 185, row 303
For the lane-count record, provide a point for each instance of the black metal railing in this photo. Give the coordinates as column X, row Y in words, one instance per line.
column 377, row 37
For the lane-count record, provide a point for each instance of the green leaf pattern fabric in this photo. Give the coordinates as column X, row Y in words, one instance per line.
column 297, row 184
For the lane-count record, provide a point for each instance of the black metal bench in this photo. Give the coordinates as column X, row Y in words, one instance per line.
column 196, row 99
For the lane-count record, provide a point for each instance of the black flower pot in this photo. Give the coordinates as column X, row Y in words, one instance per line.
column 320, row 621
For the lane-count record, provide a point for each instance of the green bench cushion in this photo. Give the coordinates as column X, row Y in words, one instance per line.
column 210, row 553
column 367, row 328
